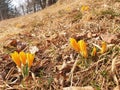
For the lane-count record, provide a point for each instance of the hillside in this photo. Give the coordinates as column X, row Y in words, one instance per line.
column 47, row 33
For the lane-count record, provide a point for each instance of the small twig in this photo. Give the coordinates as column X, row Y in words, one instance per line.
column 33, row 76
column 9, row 73
column 72, row 70
column 96, row 45
column 9, row 87
column 113, row 69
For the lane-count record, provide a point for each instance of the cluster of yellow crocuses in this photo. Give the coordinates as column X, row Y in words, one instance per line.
column 84, row 8
column 81, row 47
column 22, row 58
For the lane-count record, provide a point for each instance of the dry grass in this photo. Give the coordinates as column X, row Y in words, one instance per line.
column 50, row 31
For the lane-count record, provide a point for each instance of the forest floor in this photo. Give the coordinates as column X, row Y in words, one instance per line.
column 47, row 33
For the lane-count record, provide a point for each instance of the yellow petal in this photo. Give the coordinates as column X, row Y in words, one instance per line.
column 74, row 44
column 84, row 8
column 16, row 59
column 83, row 48
column 30, row 58
column 94, row 51
column 22, row 57
column 104, row 47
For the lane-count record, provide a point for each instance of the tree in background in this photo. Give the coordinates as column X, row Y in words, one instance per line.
column 31, row 6
column 7, row 10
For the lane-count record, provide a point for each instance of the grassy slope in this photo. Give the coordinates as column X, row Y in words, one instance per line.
column 50, row 30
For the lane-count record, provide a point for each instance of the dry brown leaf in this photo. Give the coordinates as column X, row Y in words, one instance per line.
column 79, row 88
column 109, row 38
column 13, row 43
column 10, row 43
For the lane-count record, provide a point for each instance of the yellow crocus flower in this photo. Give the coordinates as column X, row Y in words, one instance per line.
column 83, row 48
column 84, row 8
column 104, row 47
column 74, row 44
column 23, row 61
column 30, row 58
column 22, row 56
column 94, row 51
column 16, row 59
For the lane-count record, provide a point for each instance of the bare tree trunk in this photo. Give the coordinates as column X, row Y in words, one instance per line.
column 54, row 1
column 1, row 16
column 23, row 10
column 28, row 9
column 44, row 3
column 34, row 7
column 49, row 2
column 40, row 2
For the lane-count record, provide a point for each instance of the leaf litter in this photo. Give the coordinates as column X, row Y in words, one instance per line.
column 53, row 67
